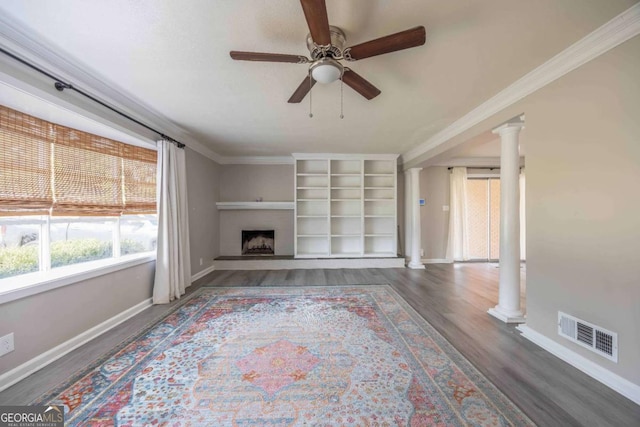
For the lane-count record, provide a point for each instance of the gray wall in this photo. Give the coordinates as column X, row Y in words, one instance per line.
column 246, row 183
column 203, row 188
column 43, row 321
column 583, row 226
column 434, row 222
column 274, row 183
column 583, row 203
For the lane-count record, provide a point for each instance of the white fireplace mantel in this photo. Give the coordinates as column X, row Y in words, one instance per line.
column 255, row 206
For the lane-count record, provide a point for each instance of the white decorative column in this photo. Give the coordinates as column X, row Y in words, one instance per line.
column 407, row 213
column 508, row 309
column 416, row 238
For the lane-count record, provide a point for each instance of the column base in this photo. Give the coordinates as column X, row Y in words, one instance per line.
column 416, row 265
column 507, row 316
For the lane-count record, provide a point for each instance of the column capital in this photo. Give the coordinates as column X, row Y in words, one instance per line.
column 511, row 127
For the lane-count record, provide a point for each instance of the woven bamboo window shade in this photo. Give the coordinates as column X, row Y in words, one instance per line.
column 48, row 168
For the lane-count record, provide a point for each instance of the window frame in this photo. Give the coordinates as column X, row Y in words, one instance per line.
column 25, row 285
column 29, row 100
column 48, row 278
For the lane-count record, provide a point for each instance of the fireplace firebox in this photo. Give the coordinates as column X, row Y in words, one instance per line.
column 258, row 242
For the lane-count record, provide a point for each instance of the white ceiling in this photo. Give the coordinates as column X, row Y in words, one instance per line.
column 173, row 57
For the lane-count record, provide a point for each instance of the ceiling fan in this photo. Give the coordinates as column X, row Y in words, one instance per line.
column 326, row 45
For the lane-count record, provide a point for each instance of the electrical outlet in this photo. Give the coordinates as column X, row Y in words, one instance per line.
column 421, row 252
column 200, row 261
column 6, row 344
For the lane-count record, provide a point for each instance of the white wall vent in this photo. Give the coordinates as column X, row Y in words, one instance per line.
column 595, row 338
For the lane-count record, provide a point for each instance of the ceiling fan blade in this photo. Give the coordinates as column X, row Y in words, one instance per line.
column 391, row 43
column 267, row 57
column 359, row 84
column 315, row 11
column 302, row 90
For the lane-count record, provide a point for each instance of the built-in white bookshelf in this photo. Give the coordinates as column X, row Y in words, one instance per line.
column 345, row 206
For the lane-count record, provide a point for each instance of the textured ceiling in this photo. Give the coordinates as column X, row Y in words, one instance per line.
column 173, row 56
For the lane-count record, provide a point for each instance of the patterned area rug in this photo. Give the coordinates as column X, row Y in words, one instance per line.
column 288, row 356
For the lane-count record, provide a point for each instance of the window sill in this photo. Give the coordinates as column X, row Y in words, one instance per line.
column 25, row 285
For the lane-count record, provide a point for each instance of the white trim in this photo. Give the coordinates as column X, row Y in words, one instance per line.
column 255, row 206
column 257, row 160
column 202, row 273
column 202, row 149
column 471, row 162
column 474, row 162
column 336, row 156
column 25, row 285
column 308, row 263
column 506, row 317
column 20, row 372
column 618, row 30
column 605, row 376
column 436, row 261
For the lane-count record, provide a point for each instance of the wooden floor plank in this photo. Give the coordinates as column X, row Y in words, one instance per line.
column 454, row 299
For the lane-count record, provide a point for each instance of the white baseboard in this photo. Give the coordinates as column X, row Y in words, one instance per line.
column 606, row 377
column 202, row 273
column 437, row 261
column 20, row 372
column 308, row 263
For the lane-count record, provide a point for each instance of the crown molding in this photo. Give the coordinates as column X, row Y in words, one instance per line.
column 257, row 160
column 344, row 156
column 618, row 30
column 36, row 50
column 474, row 162
column 204, row 150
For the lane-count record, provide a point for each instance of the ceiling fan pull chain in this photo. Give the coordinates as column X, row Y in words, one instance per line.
column 341, row 98
column 310, row 87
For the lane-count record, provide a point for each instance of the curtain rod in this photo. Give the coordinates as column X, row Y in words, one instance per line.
column 476, row 167
column 61, row 85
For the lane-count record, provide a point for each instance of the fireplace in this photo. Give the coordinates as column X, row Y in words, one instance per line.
column 258, row 242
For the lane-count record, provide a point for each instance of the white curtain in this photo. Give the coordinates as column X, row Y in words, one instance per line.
column 523, row 224
column 458, row 243
column 173, row 268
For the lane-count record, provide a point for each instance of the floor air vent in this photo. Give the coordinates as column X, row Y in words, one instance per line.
column 595, row 338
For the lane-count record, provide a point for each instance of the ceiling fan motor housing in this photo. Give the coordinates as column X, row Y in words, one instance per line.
column 334, row 50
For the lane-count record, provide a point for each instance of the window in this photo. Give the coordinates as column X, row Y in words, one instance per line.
column 483, row 198
column 483, row 208
column 68, row 197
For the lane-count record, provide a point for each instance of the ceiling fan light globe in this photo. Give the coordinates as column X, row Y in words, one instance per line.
column 326, row 71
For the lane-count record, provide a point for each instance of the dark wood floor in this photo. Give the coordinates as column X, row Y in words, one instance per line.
column 452, row 298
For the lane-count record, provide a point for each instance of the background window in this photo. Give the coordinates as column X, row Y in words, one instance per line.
column 19, row 245
column 483, row 201
column 138, row 233
column 76, row 240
